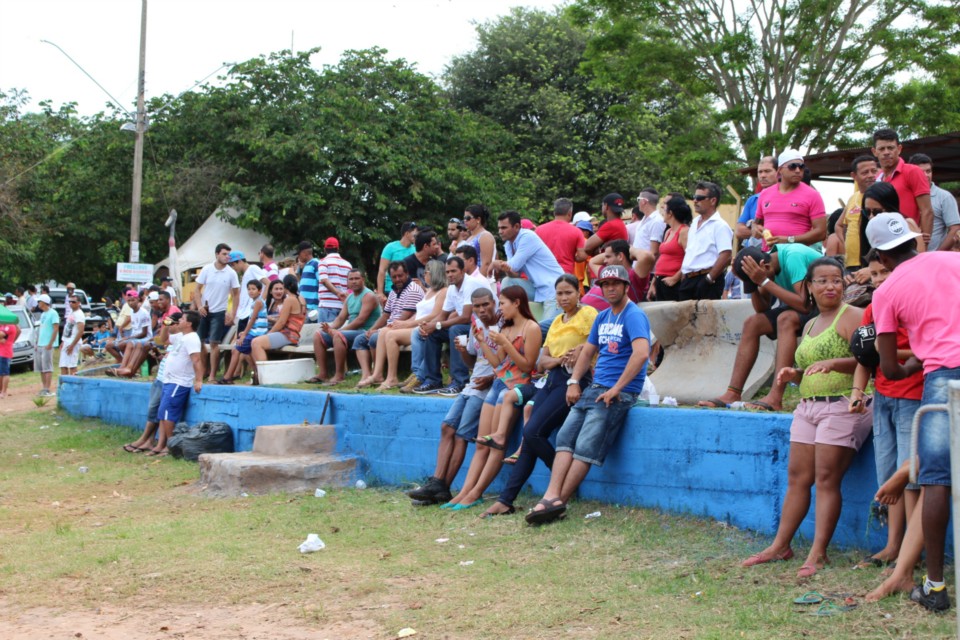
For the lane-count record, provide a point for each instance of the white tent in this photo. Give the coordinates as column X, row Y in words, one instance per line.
column 198, row 250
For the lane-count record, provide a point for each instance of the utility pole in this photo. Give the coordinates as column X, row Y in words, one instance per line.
column 138, row 145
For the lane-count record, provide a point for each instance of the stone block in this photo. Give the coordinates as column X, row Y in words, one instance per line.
column 294, row 439
column 231, row 474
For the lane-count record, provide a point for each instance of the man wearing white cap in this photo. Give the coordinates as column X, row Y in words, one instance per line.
column 791, row 210
column 920, row 296
column 47, row 341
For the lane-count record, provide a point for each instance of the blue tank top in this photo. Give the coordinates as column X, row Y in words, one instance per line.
column 260, row 325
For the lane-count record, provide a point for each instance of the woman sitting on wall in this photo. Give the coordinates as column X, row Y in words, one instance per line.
column 286, row 329
column 824, row 435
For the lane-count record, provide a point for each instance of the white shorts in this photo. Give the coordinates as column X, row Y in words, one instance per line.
column 69, row 361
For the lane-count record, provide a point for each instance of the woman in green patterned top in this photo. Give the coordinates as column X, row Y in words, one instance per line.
column 825, row 434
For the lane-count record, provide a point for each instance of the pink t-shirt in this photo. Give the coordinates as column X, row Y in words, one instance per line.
column 6, row 347
column 563, row 239
column 921, row 296
column 789, row 214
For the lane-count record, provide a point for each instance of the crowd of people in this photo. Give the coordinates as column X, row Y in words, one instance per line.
column 549, row 330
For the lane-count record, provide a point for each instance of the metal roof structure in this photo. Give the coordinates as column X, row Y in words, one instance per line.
column 943, row 149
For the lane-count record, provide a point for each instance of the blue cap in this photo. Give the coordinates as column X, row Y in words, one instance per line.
column 585, row 225
column 236, row 256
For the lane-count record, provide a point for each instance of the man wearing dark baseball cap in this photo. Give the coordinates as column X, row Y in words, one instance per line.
column 612, row 228
column 776, row 281
column 921, row 296
column 621, row 337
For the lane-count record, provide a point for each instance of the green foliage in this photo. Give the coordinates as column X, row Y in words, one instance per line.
column 804, row 73
column 575, row 137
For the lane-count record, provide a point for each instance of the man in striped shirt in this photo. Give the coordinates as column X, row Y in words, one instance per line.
column 332, row 274
column 307, row 266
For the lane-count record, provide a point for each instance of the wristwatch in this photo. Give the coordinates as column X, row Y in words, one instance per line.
column 571, row 382
column 439, row 326
column 790, row 239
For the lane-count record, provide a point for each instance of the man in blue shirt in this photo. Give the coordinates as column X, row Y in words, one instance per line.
column 309, row 281
column 528, row 255
column 766, row 176
column 621, row 336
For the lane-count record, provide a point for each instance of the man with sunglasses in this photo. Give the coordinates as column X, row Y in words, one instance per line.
column 709, row 248
column 791, row 210
column 73, row 323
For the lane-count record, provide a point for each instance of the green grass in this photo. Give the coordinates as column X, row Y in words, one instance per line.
column 133, row 530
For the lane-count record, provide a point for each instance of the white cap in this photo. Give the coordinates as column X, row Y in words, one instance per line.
column 788, row 155
column 581, row 216
column 888, row 230
column 153, row 296
column 44, row 298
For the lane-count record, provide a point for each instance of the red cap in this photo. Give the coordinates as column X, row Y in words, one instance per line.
column 331, row 243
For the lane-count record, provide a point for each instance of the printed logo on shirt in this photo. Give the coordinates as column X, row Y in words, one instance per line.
column 610, row 334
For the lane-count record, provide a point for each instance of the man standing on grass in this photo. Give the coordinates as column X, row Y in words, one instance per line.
column 920, row 296
column 184, row 369
column 47, row 340
column 621, row 336
column 460, row 424
column 332, row 273
column 216, row 284
column 73, row 324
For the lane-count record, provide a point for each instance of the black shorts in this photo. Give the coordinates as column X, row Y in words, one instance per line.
column 773, row 314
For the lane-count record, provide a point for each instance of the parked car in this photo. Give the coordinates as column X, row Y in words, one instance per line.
column 59, row 297
column 23, row 348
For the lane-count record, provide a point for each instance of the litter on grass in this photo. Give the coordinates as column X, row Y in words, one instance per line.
column 595, row 514
column 406, row 632
column 442, row 540
column 311, row 544
column 319, row 493
column 83, row 469
column 361, row 484
column 466, row 563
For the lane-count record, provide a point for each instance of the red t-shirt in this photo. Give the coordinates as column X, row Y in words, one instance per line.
column 612, row 230
column 6, row 347
column 909, row 388
column 563, row 239
column 910, row 181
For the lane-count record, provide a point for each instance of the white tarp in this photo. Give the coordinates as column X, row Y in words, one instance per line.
column 198, row 250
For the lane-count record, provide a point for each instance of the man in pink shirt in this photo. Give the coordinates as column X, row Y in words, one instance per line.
column 909, row 180
column 920, row 296
column 561, row 237
column 791, row 210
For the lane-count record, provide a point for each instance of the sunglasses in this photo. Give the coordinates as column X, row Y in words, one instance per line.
column 872, row 212
column 698, row 198
column 466, row 218
column 793, row 166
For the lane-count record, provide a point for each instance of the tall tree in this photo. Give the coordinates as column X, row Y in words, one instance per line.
column 786, row 72
column 576, row 137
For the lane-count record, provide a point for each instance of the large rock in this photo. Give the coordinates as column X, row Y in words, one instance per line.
column 700, row 342
column 285, row 458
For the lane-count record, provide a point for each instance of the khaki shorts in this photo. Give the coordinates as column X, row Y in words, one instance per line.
column 43, row 360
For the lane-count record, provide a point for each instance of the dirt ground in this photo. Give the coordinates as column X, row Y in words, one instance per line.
column 148, row 619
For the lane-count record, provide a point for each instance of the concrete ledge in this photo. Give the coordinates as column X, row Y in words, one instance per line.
column 727, row 465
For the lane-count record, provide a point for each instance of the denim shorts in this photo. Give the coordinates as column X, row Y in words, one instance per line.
column 327, row 314
column 464, row 416
column 213, row 327
column 892, row 421
column 495, row 395
column 156, row 392
column 173, row 403
column 591, row 427
column 5, row 366
column 363, row 343
column 350, row 335
column 933, row 447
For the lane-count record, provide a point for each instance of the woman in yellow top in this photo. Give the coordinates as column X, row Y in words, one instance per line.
column 825, row 434
column 548, row 403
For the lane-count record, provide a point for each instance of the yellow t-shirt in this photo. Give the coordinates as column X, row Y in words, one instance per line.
column 852, row 238
column 564, row 336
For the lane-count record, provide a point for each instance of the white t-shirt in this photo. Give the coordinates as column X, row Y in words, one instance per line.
column 650, row 229
column 179, row 367
column 217, row 284
column 458, row 297
column 173, row 294
column 253, row 272
column 70, row 321
column 140, row 319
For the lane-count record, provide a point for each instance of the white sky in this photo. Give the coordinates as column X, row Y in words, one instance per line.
column 188, row 39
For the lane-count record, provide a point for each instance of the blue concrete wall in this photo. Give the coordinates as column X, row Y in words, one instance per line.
column 726, row 465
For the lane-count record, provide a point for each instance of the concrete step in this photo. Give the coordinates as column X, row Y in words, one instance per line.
column 231, row 474
column 294, row 439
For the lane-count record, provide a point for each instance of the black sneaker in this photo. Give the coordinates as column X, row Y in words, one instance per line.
column 433, row 491
column 427, row 388
column 451, row 391
column 934, row 601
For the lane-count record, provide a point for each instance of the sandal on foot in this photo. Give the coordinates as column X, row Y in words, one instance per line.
column 758, row 558
column 462, row 507
column 129, row 448
column 509, row 512
column 512, row 458
column 758, row 405
column 315, row 380
column 488, row 441
column 549, row 513
column 807, row 571
column 152, row 453
column 716, row 403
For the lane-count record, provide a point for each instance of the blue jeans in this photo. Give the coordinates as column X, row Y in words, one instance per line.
column 327, row 314
column 550, row 409
column 933, row 447
column 591, row 427
column 156, row 393
column 432, row 347
column 363, row 343
column 550, row 311
column 892, row 420
column 459, row 372
column 464, row 416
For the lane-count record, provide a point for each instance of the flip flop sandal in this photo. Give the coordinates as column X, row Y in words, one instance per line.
column 716, row 403
column 870, row 561
column 509, row 512
column 129, row 448
column 829, row 609
column 810, row 597
column 549, row 513
column 757, row 405
column 488, row 441
column 512, row 458
column 315, row 380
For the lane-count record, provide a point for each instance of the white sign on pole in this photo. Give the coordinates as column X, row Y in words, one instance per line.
column 134, row 272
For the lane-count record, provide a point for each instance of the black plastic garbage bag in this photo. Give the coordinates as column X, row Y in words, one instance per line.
column 206, row 437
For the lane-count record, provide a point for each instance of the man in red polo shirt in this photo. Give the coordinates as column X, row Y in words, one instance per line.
column 561, row 237
column 612, row 228
column 909, row 180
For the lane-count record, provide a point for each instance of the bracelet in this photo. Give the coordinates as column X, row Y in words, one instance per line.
column 764, row 283
column 856, row 389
